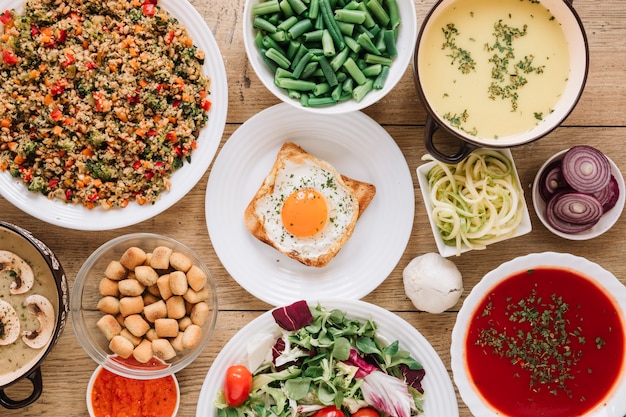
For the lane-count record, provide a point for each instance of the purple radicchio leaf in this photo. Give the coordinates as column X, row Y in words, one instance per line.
column 294, row 316
column 278, row 349
column 413, row 377
column 365, row 368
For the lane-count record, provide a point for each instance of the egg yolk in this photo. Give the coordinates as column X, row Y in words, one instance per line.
column 304, row 213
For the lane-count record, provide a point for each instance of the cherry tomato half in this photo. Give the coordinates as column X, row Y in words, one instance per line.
column 237, row 385
column 366, row 412
column 330, row 411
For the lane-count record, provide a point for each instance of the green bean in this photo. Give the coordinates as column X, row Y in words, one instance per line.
column 294, row 94
column 354, row 71
column 328, row 46
column 350, row 16
column 348, row 85
column 347, row 29
column 299, row 28
column 309, row 70
column 263, row 25
column 269, row 43
column 389, row 36
column 329, row 74
column 279, row 36
column 337, row 92
column 292, row 49
column 283, row 73
column 369, row 20
column 321, row 89
column 378, row 12
column 288, row 23
column 314, row 9
column 302, row 63
column 377, row 59
column 337, row 61
column 352, row 44
column 285, row 7
column 313, row 36
column 372, row 70
column 367, row 44
column 394, row 14
column 297, row 6
column 320, row 101
column 267, row 7
column 331, row 23
column 304, row 100
column 379, row 81
column 279, row 58
column 361, row 90
column 293, row 84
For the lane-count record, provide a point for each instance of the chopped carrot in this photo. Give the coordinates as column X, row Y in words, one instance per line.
column 141, row 132
column 5, row 165
column 57, row 130
column 90, row 204
column 133, row 62
column 5, row 122
column 47, row 99
column 12, row 146
column 172, row 120
column 113, row 67
column 68, row 121
column 97, row 183
column 34, row 74
column 42, row 67
column 143, row 83
column 80, row 184
column 121, row 114
column 156, row 117
column 141, row 200
column 139, row 28
column 19, row 159
column 86, row 152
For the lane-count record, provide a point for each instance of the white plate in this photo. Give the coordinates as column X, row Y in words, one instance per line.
column 183, row 180
column 439, row 400
column 615, row 405
column 606, row 221
column 446, row 250
column 356, row 146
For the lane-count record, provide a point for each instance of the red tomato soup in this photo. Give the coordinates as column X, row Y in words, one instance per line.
column 545, row 342
column 114, row 395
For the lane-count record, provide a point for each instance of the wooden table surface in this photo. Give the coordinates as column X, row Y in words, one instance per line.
column 597, row 120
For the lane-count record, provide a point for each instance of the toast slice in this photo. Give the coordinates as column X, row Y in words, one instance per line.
column 260, row 226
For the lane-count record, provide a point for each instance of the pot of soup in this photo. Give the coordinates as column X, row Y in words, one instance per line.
column 498, row 73
column 34, row 302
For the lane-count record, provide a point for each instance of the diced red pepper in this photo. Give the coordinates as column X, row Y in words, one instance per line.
column 91, row 65
column 92, row 197
column 171, row 137
column 34, row 30
column 69, row 60
column 56, row 115
column 57, row 89
column 148, row 9
column 6, row 17
column 62, row 35
column 136, row 165
column 148, row 175
column 178, row 150
column 68, row 195
column 53, row 183
column 9, row 57
column 206, row 105
column 170, row 37
column 133, row 99
column 151, row 132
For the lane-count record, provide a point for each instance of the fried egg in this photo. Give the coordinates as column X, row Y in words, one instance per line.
column 305, row 208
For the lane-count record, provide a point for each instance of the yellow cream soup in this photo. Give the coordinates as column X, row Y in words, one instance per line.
column 494, row 68
column 18, row 354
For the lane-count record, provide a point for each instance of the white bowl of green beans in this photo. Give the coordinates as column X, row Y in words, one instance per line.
column 330, row 56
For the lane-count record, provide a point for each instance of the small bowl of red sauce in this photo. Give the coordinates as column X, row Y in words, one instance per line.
column 109, row 394
column 543, row 335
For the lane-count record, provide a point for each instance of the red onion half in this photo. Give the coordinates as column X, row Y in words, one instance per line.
column 586, row 169
column 609, row 195
column 576, row 207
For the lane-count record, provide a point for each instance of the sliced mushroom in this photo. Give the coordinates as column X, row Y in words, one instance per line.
column 42, row 308
column 20, row 271
column 9, row 324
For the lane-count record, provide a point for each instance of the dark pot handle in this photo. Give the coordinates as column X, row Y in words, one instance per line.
column 35, row 379
column 429, row 131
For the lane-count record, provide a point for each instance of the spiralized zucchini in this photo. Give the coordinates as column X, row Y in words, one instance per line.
column 477, row 201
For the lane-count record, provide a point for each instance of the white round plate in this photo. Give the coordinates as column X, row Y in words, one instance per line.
column 356, row 146
column 439, row 395
column 183, row 180
column 615, row 406
column 607, row 220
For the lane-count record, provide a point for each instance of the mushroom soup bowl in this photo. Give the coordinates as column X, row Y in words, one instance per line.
column 34, row 302
column 498, row 73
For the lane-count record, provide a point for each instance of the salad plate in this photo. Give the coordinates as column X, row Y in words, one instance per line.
column 439, row 394
column 182, row 181
column 357, row 147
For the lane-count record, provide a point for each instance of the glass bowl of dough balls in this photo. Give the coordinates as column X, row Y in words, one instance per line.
column 143, row 305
